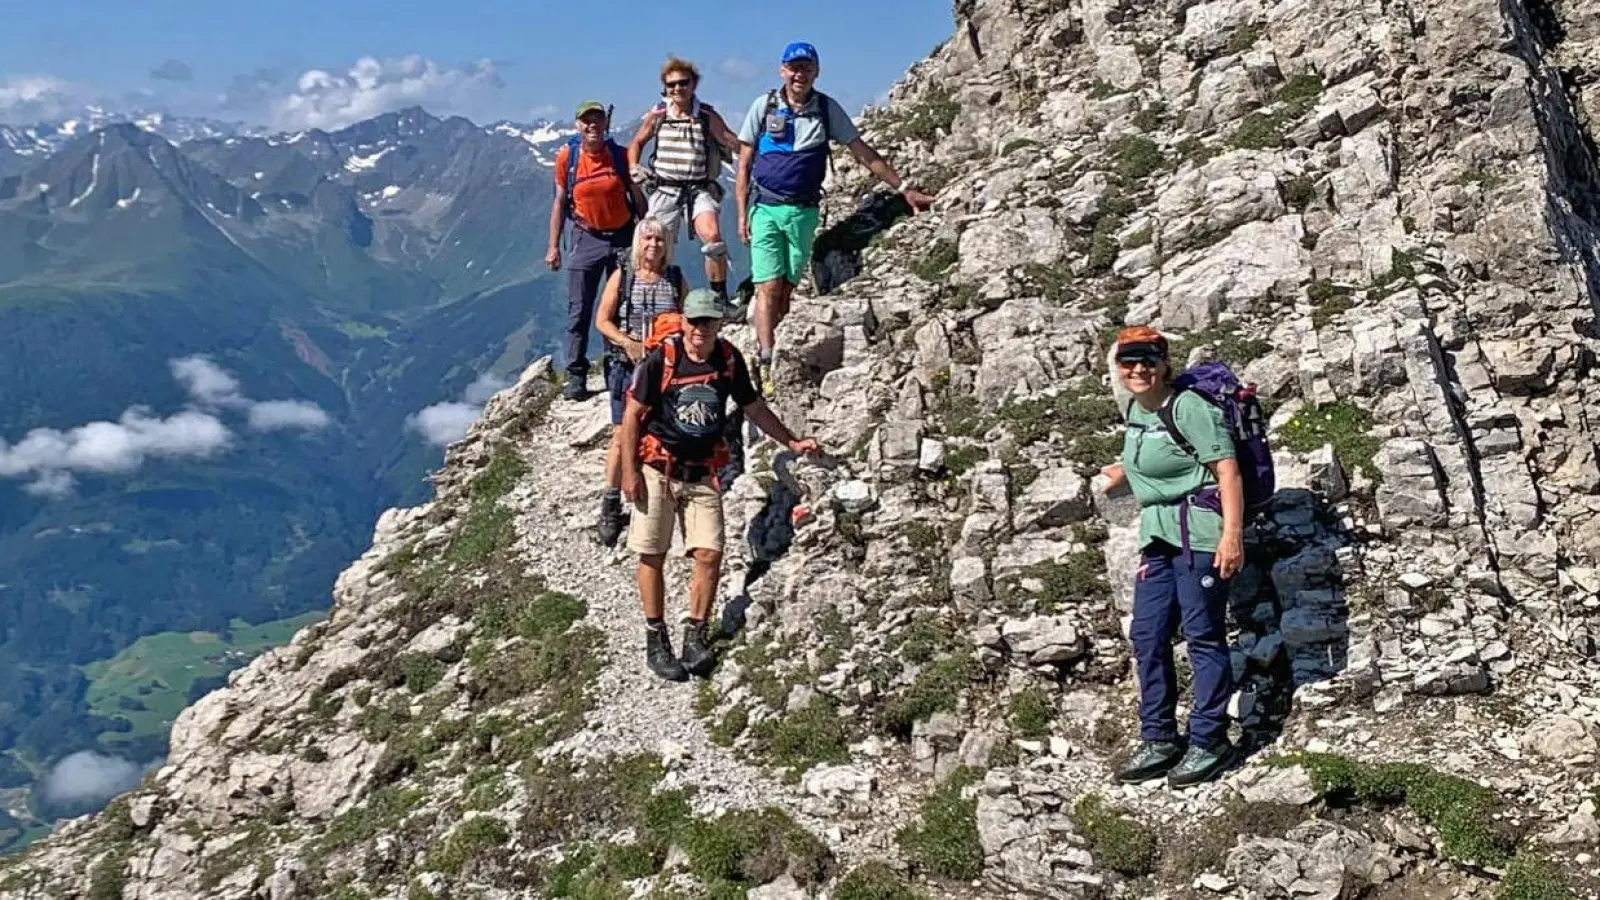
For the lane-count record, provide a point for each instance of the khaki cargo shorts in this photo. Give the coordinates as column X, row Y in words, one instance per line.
column 695, row 508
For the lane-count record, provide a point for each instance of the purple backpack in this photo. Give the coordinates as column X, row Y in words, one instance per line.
column 1241, row 412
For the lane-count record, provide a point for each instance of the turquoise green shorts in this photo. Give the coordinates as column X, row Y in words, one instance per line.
column 780, row 241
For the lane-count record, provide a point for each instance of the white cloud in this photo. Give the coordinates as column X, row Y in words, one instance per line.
column 49, row 457
column 275, row 415
column 212, row 386
column 32, row 98
column 445, row 423
column 89, row 776
column 206, row 382
column 370, row 87
column 737, row 69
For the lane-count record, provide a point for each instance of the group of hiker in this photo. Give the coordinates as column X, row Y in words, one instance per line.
column 671, row 376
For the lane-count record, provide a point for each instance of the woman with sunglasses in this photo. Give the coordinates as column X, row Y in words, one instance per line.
column 690, row 138
column 1188, row 554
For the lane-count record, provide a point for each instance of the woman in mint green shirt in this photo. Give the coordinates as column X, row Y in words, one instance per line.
column 1191, row 545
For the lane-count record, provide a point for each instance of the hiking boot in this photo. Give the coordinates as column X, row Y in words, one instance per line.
column 659, row 657
column 1201, row 764
column 762, row 375
column 610, row 518
column 697, row 657
column 1153, row 759
column 577, row 388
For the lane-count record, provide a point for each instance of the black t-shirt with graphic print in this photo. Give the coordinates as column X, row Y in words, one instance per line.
column 690, row 419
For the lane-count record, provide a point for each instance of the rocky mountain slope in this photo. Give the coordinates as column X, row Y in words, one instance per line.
column 1385, row 213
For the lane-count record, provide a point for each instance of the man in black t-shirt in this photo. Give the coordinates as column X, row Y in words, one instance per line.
column 672, row 448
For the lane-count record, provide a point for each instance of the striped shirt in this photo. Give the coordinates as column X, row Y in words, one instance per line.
column 681, row 151
column 648, row 299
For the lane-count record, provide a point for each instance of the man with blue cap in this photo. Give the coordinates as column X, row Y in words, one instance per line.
column 782, row 163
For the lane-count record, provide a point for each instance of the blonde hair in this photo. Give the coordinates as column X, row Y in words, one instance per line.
column 652, row 225
column 674, row 64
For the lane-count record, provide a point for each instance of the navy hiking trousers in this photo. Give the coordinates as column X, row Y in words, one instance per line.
column 1173, row 587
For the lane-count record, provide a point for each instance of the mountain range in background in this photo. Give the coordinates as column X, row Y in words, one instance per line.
column 214, row 348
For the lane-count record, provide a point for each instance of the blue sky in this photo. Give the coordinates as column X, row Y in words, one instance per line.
column 299, row 62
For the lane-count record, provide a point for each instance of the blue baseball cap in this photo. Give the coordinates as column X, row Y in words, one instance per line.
column 800, row 50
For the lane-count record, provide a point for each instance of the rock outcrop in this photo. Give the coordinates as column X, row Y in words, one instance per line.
column 1386, row 214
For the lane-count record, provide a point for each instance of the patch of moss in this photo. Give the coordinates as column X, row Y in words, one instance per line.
column 486, row 789
column 1196, row 151
column 731, row 725
column 1464, row 813
column 1532, row 877
column 471, row 839
column 1205, row 847
column 1299, row 191
column 1080, row 408
column 812, row 734
column 943, row 842
column 1137, row 157
column 939, row 256
column 1342, row 424
column 419, row 671
column 960, row 460
column 1054, row 283
column 1483, row 178
column 1259, row 131
column 504, row 470
column 1030, row 711
column 937, row 688
column 746, row 848
column 1079, row 579
column 874, row 880
column 109, row 875
column 1101, row 89
column 1150, row 116
column 1301, row 91
column 1243, row 38
column 934, row 112
column 1330, row 299
column 1103, row 246
column 1016, row 144
column 384, row 809
column 1118, row 841
column 1231, row 345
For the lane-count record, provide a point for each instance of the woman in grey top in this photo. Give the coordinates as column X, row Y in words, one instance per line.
column 643, row 287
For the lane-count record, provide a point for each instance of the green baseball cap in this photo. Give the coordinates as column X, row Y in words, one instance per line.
column 589, row 106
column 703, row 303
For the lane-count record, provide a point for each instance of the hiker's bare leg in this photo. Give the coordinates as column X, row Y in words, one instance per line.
column 709, row 231
column 766, row 303
column 703, row 586
column 652, row 584
column 614, row 460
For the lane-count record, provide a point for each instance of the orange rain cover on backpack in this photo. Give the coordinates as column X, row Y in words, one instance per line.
column 663, row 326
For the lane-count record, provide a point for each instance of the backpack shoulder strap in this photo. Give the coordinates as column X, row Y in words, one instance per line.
column 624, row 288
column 1169, row 421
column 725, row 347
column 669, row 362
column 675, row 278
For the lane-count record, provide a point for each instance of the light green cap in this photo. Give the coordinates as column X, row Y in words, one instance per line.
column 703, row 303
column 589, row 106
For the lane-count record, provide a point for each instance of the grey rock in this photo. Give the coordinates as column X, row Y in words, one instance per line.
column 1056, row 497
column 1561, row 739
